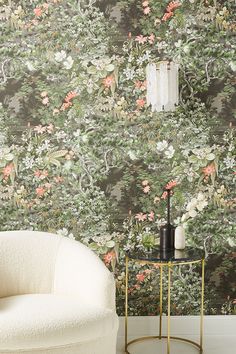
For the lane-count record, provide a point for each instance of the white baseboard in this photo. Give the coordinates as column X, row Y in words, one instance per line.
column 180, row 325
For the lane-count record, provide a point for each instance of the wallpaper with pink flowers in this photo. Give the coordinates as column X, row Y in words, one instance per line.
column 84, row 154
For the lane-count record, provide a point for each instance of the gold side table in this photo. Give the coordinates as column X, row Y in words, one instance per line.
column 168, row 259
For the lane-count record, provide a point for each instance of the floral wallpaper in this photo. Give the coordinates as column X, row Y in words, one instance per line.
column 84, row 156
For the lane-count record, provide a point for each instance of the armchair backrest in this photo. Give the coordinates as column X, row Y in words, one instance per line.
column 27, row 262
column 33, row 262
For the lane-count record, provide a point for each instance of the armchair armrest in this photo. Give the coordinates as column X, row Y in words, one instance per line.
column 80, row 272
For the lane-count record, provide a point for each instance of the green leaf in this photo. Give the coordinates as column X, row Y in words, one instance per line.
column 110, row 67
column 110, row 244
column 9, row 157
column 91, row 70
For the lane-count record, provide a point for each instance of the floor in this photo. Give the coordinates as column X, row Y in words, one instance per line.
column 212, row 345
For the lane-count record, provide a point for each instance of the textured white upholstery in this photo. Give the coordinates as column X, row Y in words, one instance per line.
column 56, row 297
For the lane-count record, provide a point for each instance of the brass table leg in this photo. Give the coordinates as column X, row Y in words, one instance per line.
column 160, row 321
column 126, row 300
column 202, row 306
column 168, row 319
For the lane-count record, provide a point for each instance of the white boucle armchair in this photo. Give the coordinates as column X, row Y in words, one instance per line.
column 56, row 297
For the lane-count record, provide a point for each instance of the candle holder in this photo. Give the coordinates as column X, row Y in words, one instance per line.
column 167, row 231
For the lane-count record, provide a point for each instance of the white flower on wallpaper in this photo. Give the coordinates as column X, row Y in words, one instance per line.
column 68, row 63
column 162, row 146
column 66, row 60
column 170, row 152
column 60, row 56
column 195, row 205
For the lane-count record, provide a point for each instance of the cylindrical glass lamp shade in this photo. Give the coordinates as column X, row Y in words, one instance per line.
column 162, row 85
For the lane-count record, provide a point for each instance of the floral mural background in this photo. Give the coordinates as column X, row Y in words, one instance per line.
column 82, row 154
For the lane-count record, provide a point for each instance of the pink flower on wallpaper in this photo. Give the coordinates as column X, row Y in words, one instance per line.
column 40, row 191
column 37, row 173
column 145, row 182
column 145, row 3
column 65, row 106
column 138, row 84
column 167, row 15
column 173, row 5
column 146, row 189
column 109, row 257
column 164, row 195
column 44, row 94
column 141, row 39
column 142, row 85
column 151, row 38
column 140, row 277
column 70, row 96
column 40, row 129
column 141, row 217
column 151, row 216
column 38, row 11
column 50, row 128
column 140, row 102
column 48, row 185
column 108, row 81
column 44, row 174
column 45, row 101
column 146, row 10
column 7, row 170
column 209, row 170
column 58, row 179
column 171, row 184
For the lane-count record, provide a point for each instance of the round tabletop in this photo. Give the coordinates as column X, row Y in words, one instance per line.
column 189, row 254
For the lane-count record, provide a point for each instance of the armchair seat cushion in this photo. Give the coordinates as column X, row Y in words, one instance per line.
column 46, row 320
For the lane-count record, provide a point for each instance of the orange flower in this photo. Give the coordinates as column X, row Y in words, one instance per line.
column 7, row 170
column 37, row 173
column 65, row 106
column 140, row 102
column 140, row 277
column 109, row 257
column 70, row 96
column 164, row 195
column 142, row 85
column 40, row 191
column 108, row 81
column 209, row 170
column 171, row 184
column 38, row 11
column 41, row 174
column 167, row 15
column 173, row 5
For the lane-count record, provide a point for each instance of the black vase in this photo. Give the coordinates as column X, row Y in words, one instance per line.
column 167, row 237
